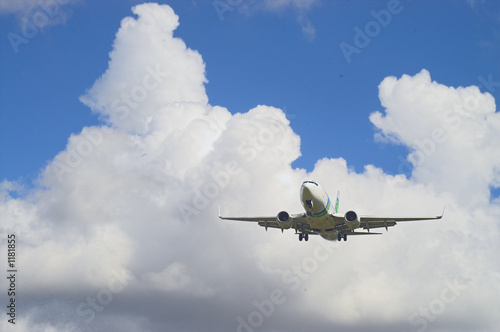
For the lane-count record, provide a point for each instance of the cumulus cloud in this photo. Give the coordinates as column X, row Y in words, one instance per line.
column 449, row 126
column 122, row 232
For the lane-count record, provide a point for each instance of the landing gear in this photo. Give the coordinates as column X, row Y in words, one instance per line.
column 303, row 236
column 342, row 236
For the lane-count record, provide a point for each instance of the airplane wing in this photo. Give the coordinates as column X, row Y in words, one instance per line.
column 369, row 222
column 300, row 223
column 296, row 221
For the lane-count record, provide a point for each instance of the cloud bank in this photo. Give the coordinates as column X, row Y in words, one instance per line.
column 122, row 232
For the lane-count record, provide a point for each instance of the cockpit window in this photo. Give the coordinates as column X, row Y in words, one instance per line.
column 308, row 181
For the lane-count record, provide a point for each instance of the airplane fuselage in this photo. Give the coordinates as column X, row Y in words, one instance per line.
column 317, row 204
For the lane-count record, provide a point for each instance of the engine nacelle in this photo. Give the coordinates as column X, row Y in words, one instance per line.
column 351, row 219
column 284, row 220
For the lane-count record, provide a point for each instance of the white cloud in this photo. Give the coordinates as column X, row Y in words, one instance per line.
column 34, row 14
column 136, row 83
column 7, row 6
column 444, row 126
column 139, row 196
column 300, row 7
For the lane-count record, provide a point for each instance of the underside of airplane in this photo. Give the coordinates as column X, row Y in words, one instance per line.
column 321, row 218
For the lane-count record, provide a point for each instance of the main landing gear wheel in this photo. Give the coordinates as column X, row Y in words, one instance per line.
column 303, row 236
column 342, row 236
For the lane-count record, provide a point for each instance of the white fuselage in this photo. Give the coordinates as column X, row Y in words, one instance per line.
column 317, row 204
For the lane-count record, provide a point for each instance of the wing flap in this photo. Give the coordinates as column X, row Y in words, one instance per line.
column 375, row 224
column 361, row 233
column 269, row 224
column 369, row 222
column 395, row 219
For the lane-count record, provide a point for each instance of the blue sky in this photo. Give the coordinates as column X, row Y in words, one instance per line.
column 252, row 57
column 116, row 158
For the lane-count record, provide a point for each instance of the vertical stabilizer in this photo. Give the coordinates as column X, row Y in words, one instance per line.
column 337, row 202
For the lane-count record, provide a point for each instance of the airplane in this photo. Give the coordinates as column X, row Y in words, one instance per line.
column 321, row 218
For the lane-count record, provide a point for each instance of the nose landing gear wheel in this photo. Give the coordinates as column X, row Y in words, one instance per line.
column 342, row 236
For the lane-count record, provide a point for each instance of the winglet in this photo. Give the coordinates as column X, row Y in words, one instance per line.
column 219, row 213
column 442, row 213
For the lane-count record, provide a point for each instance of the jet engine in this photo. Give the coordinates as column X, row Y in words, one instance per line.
column 284, row 220
column 351, row 219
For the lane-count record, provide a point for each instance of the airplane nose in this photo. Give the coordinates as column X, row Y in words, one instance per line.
column 306, row 192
